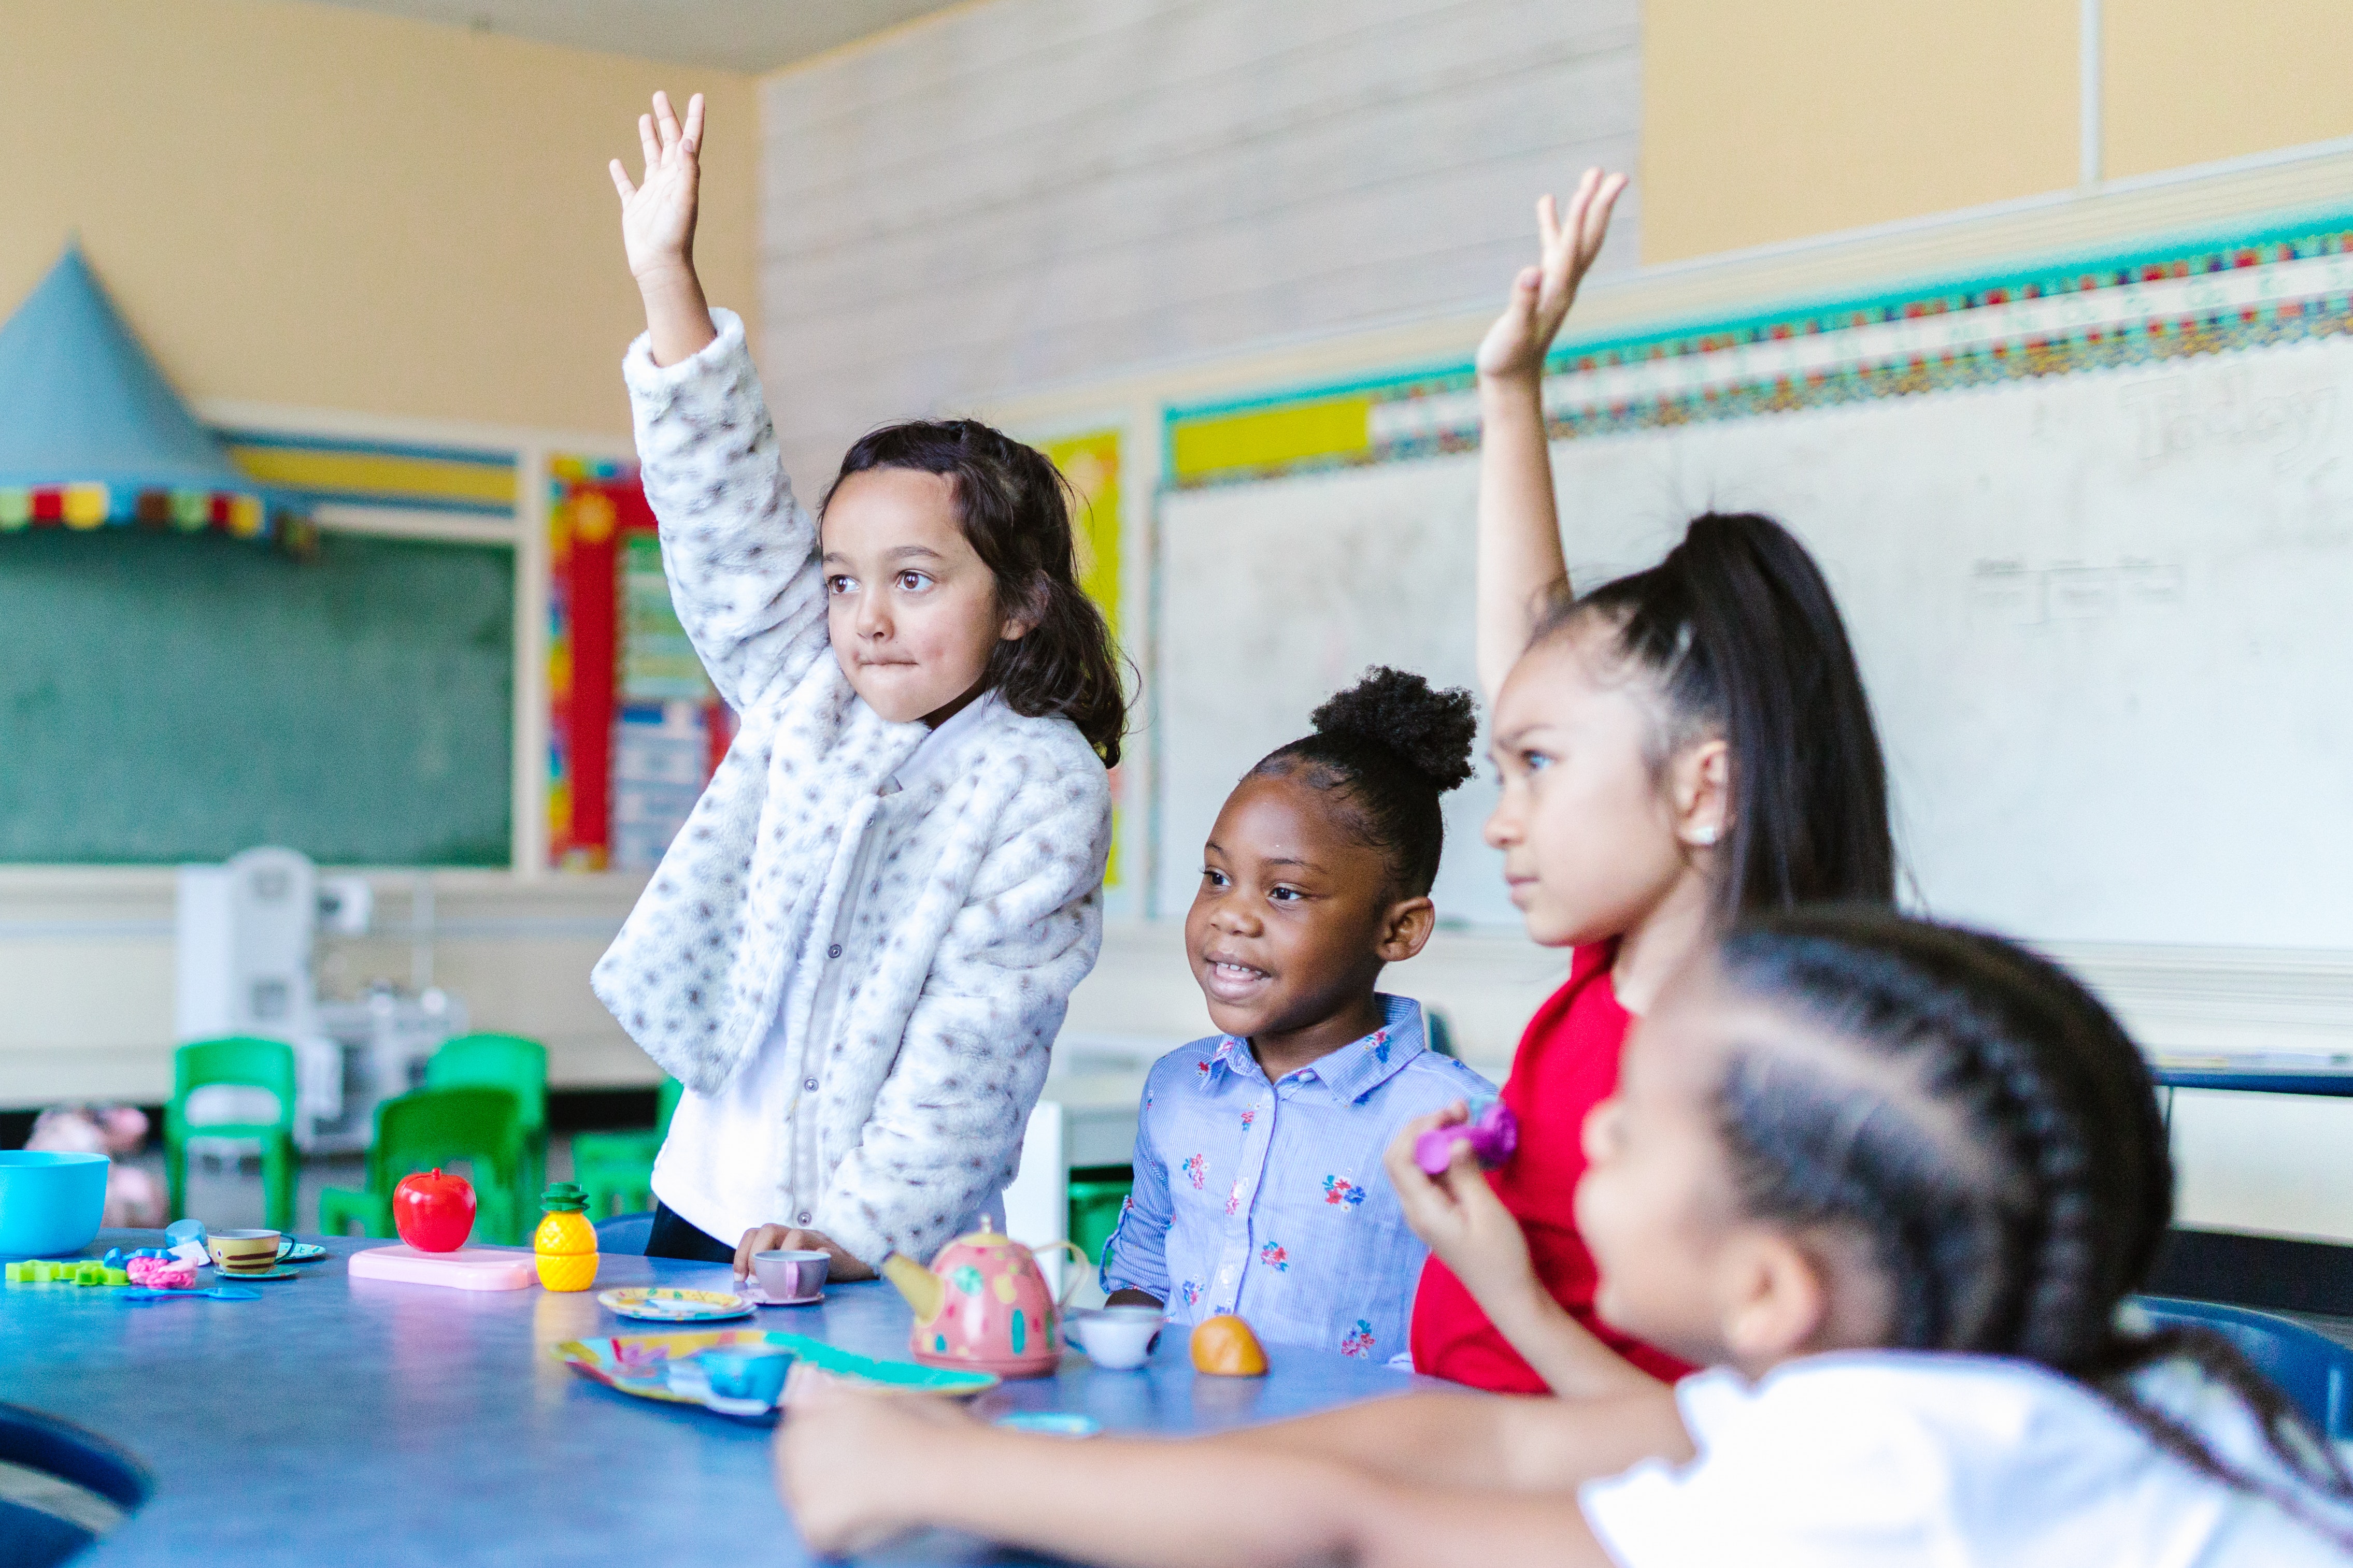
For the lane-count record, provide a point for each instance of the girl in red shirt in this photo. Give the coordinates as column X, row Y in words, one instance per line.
column 1675, row 747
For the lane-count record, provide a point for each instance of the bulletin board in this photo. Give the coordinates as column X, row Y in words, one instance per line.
column 635, row 728
column 169, row 697
column 2090, row 520
column 1090, row 460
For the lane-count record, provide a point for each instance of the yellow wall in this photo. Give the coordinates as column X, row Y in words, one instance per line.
column 319, row 207
column 2190, row 81
column 1776, row 123
column 1764, row 122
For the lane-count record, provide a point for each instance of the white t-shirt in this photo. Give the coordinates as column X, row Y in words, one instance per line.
column 1892, row 1458
column 747, row 1155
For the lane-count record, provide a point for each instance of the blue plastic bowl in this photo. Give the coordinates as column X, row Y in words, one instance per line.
column 50, row 1204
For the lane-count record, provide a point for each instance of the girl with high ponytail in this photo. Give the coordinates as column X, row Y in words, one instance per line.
column 1677, row 748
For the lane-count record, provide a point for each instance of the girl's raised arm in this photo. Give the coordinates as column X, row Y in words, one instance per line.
column 1520, row 559
column 658, row 229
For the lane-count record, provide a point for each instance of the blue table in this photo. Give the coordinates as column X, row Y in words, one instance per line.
column 340, row 1420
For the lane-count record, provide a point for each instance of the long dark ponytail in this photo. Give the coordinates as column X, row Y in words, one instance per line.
column 1739, row 629
column 1994, row 1141
column 1014, row 507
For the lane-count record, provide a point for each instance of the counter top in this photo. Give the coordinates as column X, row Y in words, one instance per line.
column 340, row 1420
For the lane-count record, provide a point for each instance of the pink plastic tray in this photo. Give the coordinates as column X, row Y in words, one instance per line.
column 468, row 1268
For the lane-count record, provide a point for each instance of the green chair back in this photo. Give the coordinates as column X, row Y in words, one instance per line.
column 241, row 1060
column 429, row 1127
column 616, row 1170
column 246, row 1063
column 497, row 1061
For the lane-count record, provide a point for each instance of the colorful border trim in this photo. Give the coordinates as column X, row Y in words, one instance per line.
column 2289, row 281
column 378, row 473
column 242, row 514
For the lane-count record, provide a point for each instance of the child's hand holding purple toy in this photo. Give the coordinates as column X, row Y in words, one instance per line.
column 1492, row 1133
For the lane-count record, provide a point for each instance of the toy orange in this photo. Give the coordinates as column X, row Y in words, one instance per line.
column 1224, row 1345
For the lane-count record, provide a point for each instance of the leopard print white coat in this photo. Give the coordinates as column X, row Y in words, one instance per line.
column 957, row 957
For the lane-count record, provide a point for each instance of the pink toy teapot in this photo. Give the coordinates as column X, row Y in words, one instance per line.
column 984, row 1304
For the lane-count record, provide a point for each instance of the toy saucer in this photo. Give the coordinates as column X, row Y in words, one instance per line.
column 292, row 1251
column 753, row 1292
column 275, row 1271
column 664, row 1304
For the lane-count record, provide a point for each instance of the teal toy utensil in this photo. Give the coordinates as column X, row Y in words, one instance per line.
column 141, row 1296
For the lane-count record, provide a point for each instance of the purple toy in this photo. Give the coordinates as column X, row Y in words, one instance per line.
column 1492, row 1133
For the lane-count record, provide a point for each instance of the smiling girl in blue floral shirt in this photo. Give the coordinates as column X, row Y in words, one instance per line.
column 1259, row 1184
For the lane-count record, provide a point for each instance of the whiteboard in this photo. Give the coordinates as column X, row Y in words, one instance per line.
column 2105, row 619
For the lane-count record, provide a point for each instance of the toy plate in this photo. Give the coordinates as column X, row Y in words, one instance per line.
column 642, row 1365
column 292, row 1251
column 275, row 1271
column 665, row 1304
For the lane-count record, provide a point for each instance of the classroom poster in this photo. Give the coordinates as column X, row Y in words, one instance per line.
column 635, row 729
column 1090, row 461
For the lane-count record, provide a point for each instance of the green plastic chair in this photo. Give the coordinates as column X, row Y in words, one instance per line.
column 617, row 1169
column 516, row 1065
column 436, row 1128
column 248, row 1063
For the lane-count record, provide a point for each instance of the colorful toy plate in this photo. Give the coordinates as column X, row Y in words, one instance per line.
column 275, row 1271
column 661, row 1366
column 664, row 1304
column 292, row 1251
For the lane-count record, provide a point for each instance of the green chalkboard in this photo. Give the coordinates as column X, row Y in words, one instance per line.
column 167, row 697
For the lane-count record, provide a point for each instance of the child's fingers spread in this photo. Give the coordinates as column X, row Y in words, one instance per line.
column 621, row 181
column 694, row 122
column 665, row 120
column 1597, row 216
column 647, row 143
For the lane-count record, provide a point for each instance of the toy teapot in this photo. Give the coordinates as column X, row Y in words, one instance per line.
column 984, row 1304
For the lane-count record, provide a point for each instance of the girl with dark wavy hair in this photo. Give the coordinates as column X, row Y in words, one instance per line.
column 858, row 952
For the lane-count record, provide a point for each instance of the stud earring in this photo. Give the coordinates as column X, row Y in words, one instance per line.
column 1703, row 837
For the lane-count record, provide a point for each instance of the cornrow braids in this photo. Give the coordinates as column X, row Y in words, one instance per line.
column 1985, row 1130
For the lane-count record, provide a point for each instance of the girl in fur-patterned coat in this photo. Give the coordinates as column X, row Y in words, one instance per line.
column 857, row 954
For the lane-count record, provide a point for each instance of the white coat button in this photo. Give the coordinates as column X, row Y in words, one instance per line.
column 834, row 951
column 808, row 1083
column 805, row 1216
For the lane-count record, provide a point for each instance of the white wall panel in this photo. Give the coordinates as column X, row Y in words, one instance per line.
column 1036, row 191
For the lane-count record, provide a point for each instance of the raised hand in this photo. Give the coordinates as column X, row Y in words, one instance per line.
column 1541, row 295
column 658, row 229
column 658, row 215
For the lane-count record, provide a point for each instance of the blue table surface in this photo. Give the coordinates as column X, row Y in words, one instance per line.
column 341, row 1420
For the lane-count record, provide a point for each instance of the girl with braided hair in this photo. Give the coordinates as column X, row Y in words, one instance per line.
column 1892, row 1182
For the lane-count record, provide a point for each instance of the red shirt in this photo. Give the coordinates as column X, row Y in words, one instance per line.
column 1568, row 1063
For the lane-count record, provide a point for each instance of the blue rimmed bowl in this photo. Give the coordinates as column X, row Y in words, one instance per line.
column 50, row 1202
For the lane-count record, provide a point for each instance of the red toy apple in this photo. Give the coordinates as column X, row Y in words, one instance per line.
column 433, row 1211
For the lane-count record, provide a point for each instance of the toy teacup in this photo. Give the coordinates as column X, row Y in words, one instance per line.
column 1116, row 1338
column 242, row 1251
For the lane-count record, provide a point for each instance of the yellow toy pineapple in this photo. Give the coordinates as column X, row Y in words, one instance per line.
column 565, row 1241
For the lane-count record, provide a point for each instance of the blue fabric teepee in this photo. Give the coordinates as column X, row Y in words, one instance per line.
column 90, row 433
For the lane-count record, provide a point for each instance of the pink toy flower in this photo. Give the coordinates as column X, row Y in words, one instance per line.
column 160, row 1273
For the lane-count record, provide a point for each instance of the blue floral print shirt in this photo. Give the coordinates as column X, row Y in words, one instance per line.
column 1269, row 1199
